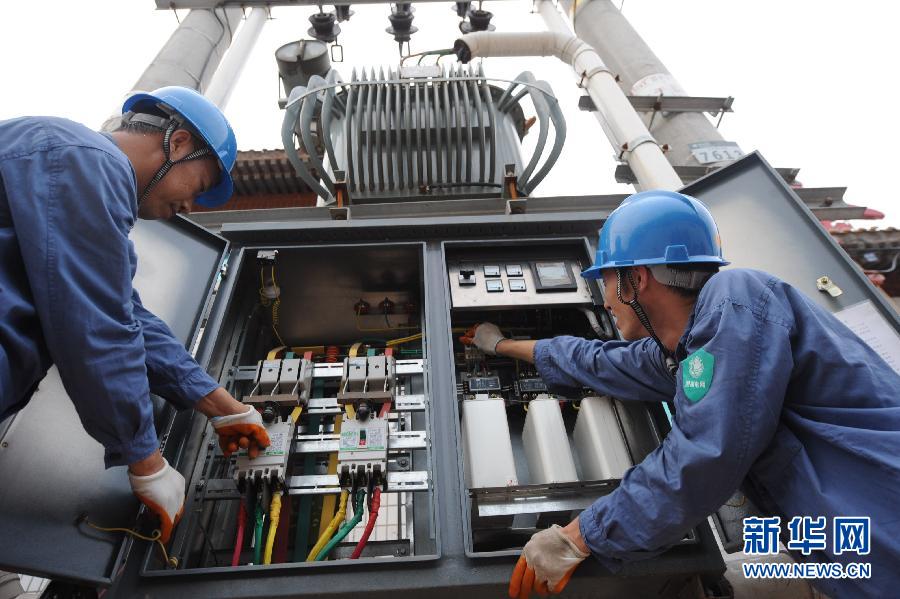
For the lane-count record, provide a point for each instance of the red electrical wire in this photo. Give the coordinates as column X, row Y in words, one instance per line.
column 370, row 525
column 239, row 539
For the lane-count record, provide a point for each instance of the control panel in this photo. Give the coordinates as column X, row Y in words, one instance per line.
column 492, row 283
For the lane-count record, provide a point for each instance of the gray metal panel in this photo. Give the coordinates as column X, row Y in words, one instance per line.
column 476, row 297
column 764, row 225
column 53, row 471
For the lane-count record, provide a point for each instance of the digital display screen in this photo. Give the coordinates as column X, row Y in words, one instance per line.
column 532, row 386
column 488, row 383
column 553, row 274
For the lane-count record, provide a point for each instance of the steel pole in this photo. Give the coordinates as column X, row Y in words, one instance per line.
column 641, row 73
column 190, row 56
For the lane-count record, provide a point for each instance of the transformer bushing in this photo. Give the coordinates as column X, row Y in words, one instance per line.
column 324, row 27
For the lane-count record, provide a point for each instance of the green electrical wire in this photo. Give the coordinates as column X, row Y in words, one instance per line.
column 346, row 528
column 258, row 532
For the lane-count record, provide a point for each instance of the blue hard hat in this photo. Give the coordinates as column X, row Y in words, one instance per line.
column 206, row 119
column 657, row 227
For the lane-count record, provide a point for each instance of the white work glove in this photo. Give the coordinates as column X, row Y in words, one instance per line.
column 163, row 493
column 244, row 430
column 546, row 564
column 484, row 336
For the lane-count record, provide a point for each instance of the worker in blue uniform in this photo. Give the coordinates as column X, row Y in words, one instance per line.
column 69, row 197
column 772, row 394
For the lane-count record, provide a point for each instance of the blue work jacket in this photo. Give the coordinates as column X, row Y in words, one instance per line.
column 794, row 409
column 68, row 201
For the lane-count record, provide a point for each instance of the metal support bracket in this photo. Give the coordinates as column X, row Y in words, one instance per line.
column 328, row 484
column 341, row 189
column 339, row 213
column 630, row 146
column 519, row 206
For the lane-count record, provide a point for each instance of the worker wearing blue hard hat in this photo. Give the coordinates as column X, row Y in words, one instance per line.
column 69, row 197
column 772, row 395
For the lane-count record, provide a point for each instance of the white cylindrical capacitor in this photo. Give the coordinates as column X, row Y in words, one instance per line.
column 487, row 445
column 598, row 440
column 546, row 443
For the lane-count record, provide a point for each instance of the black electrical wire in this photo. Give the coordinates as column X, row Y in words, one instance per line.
column 671, row 364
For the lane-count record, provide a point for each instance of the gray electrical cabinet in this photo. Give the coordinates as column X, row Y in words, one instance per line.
column 385, row 280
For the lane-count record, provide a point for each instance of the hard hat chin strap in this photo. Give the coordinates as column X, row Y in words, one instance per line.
column 169, row 125
column 671, row 364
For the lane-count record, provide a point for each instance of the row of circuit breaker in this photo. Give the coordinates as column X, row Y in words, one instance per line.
column 490, row 463
column 281, row 385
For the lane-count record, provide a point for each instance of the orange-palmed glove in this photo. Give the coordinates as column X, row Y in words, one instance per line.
column 163, row 493
column 245, row 431
column 546, row 564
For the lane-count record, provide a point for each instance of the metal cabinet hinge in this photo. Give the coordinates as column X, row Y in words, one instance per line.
column 824, row 283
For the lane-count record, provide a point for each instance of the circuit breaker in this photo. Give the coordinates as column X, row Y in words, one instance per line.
column 363, row 450
column 271, row 463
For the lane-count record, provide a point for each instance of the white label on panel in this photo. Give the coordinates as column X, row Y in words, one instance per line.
column 873, row 328
column 707, row 152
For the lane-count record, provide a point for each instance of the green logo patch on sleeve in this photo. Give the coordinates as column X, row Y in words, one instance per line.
column 697, row 374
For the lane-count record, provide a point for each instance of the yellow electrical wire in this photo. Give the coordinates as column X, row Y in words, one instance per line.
column 295, row 414
column 172, row 561
column 273, row 353
column 351, row 411
column 274, row 303
column 332, row 527
column 402, row 340
column 354, row 349
column 274, row 515
column 330, row 500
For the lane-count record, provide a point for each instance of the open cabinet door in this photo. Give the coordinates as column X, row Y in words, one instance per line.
column 764, row 225
column 51, row 471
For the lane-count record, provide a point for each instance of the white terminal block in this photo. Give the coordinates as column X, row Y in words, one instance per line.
column 267, row 376
column 355, row 374
column 546, row 443
column 290, row 371
column 271, row 463
column 488, row 449
column 363, row 443
column 377, row 372
column 598, row 440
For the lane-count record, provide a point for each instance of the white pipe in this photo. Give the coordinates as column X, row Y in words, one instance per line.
column 229, row 71
column 622, row 125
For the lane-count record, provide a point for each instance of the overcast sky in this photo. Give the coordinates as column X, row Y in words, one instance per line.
column 813, row 81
